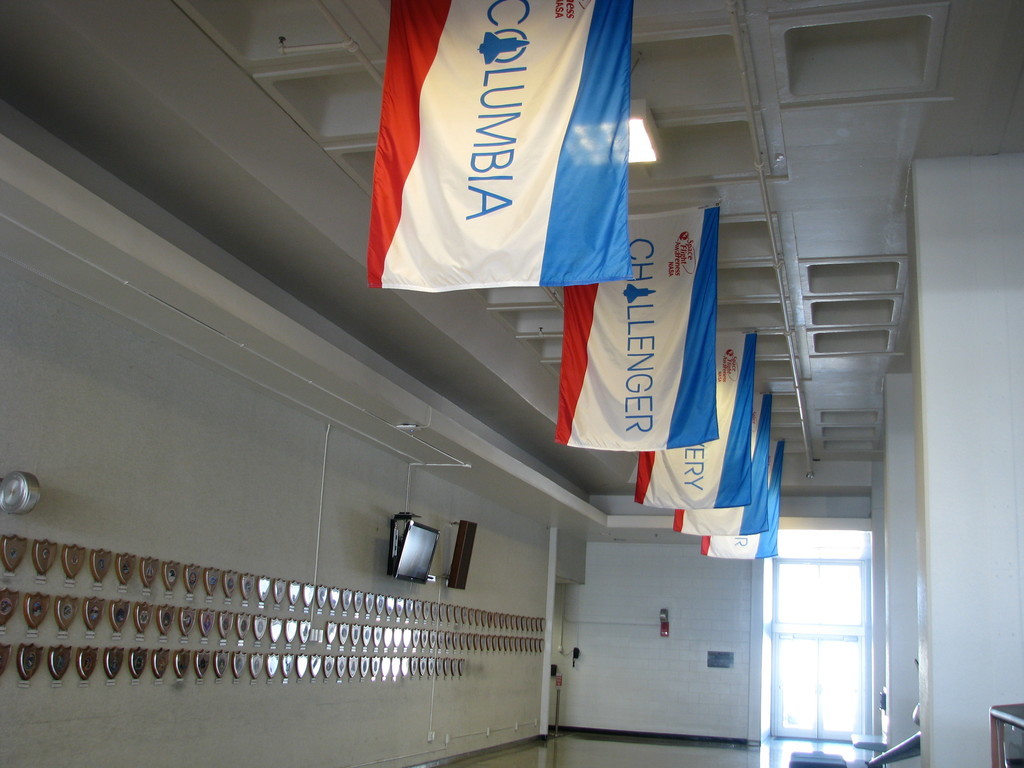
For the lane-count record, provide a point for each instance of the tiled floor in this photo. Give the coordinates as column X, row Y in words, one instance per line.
column 577, row 750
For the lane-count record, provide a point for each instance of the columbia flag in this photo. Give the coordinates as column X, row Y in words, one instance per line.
column 760, row 545
column 501, row 157
column 751, row 518
column 714, row 474
column 638, row 357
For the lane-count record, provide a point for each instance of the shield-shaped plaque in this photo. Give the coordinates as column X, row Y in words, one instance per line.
column 364, row 666
column 389, row 605
column 137, row 658
column 385, row 666
column 242, row 623
column 72, row 558
column 148, row 568
column 200, row 663
column 58, row 660
column 28, row 660
column 460, row 666
column 158, row 661
column 291, row 628
column 43, row 554
column 432, row 667
column 228, row 582
column 246, row 585
column 368, row 602
column 321, row 596
column 280, row 590
column 220, row 663
column 92, row 611
column 118, row 612
column 85, row 661
column 328, row 666
column 423, row 666
column 182, row 658
column 367, row 634
column 399, row 607
column 225, row 621
column 205, row 620
column 315, row 662
column 262, row 588
column 186, row 620
column 124, row 567
column 396, row 640
column 330, row 632
column 435, row 611
column 378, row 635
column 375, row 663
column 415, row 638
column 35, row 606
column 342, row 635
column 191, row 576
column 8, row 602
column 169, row 572
column 381, row 603
column 388, row 636
column 287, row 665
column 238, row 663
column 64, row 609
column 259, row 626
column 273, row 662
column 99, row 563
column 164, row 618
column 432, row 642
column 113, row 660
column 358, row 601
column 142, row 614
column 276, row 625
column 354, row 664
column 406, row 638
column 308, row 593
column 447, row 667
column 255, row 665
column 294, row 589
column 305, row 629
column 405, row 666
column 417, row 609
column 12, row 549
column 211, row 578
column 346, row 599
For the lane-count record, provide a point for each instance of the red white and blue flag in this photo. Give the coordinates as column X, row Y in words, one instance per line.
column 715, row 474
column 638, row 357
column 751, row 518
column 501, row 156
column 758, row 545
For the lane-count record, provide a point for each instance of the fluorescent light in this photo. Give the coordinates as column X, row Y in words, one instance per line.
column 641, row 133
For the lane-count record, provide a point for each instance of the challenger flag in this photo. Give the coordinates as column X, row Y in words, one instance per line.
column 501, row 156
column 638, row 357
column 750, row 518
column 760, row 545
column 714, row 474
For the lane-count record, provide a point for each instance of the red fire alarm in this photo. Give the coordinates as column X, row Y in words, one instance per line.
column 664, row 622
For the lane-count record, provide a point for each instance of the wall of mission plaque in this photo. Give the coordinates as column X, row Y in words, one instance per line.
column 248, row 627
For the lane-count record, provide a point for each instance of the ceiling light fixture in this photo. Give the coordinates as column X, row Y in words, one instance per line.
column 643, row 146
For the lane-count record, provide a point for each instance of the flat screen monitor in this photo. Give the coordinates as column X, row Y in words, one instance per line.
column 412, row 550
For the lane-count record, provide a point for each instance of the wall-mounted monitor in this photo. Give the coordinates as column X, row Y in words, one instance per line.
column 412, row 549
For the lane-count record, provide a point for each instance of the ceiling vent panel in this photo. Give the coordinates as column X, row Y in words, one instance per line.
column 849, row 445
column 743, row 241
column 772, row 345
column 849, row 417
column 656, row 75
column 854, row 277
column 881, row 54
column 851, row 342
column 749, row 317
column 332, row 104
column 746, row 281
column 853, row 312
column 849, row 433
column 704, row 151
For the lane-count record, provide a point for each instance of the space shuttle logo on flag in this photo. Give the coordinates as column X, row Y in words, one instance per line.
column 638, row 357
column 751, row 518
column 758, row 545
column 717, row 473
column 501, row 156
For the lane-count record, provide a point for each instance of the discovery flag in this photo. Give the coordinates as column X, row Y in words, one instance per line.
column 714, row 474
column 501, row 155
column 752, row 517
column 638, row 357
column 759, row 545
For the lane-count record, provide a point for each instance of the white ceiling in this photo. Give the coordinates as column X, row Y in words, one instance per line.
column 267, row 155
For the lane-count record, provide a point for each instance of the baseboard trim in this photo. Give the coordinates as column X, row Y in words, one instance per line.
column 651, row 736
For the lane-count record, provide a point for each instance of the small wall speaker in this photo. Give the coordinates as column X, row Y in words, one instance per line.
column 460, row 557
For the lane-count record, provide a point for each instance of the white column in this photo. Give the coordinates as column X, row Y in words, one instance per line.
column 901, row 644
column 549, row 614
column 969, row 218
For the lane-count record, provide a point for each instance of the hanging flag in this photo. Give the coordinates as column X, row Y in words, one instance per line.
column 758, row 545
column 715, row 474
column 752, row 517
column 501, row 155
column 638, row 357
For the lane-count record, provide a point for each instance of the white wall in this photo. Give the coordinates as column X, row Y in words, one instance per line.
column 970, row 375
column 628, row 677
column 141, row 450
